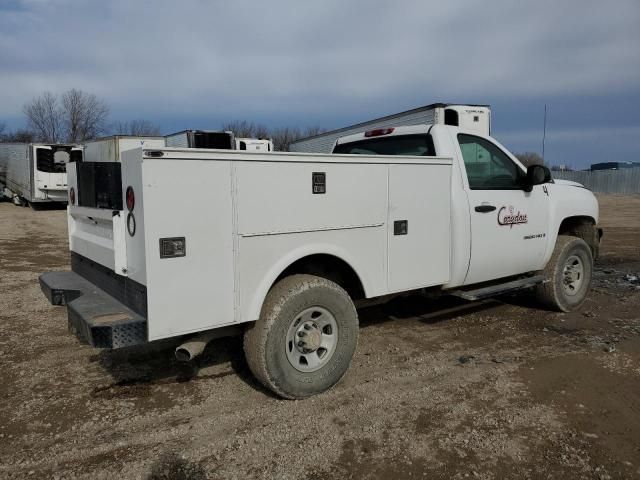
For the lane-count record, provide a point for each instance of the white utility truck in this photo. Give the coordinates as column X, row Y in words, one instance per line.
column 36, row 173
column 279, row 246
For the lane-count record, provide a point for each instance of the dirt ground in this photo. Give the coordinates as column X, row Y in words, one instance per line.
column 437, row 389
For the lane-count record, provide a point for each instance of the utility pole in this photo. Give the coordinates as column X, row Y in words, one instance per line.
column 544, row 130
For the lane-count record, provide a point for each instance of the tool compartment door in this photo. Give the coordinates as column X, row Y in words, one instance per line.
column 418, row 226
column 190, row 200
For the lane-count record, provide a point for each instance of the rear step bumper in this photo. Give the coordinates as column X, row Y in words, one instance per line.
column 94, row 316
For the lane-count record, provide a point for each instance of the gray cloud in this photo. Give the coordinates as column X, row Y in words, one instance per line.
column 313, row 58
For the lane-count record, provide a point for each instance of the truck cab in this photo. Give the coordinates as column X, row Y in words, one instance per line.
column 505, row 219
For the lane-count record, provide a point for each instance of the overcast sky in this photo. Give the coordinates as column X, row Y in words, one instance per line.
column 195, row 64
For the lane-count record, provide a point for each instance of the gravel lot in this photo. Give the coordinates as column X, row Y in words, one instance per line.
column 437, row 389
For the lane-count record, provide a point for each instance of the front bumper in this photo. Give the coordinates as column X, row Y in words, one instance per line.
column 94, row 316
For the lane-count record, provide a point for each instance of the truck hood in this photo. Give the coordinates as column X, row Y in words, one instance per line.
column 559, row 181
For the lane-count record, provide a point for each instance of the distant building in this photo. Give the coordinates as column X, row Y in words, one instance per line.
column 614, row 165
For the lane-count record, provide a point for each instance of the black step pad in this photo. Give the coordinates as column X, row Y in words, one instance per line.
column 94, row 316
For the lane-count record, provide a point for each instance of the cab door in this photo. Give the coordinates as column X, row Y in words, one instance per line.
column 509, row 226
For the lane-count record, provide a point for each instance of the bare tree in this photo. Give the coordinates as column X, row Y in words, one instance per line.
column 283, row 137
column 261, row 131
column 244, row 129
column 18, row 136
column 313, row 131
column 75, row 117
column 529, row 158
column 84, row 115
column 44, row 118
column 136, row 127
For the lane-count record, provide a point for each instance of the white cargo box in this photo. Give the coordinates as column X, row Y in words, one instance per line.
column 109, row 149
column 245, row 217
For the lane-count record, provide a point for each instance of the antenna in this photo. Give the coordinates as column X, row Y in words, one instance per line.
column 544, row 130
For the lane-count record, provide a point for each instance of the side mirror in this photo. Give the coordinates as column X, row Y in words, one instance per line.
column 536, row 175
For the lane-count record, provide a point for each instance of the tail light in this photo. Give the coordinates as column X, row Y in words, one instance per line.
column 72, row 196
column 378, row 132
column 130, row 198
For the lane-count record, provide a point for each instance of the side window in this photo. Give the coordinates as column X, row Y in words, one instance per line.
column 488, row 167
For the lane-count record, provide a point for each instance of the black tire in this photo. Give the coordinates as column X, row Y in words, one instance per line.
column 266, row 341
column 557, row 293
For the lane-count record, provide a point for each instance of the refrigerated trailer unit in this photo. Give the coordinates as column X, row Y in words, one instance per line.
column 215, row 139
column 221, row 140
column 109, row 149
column 36, row 173
column 254, row 144
column 474, row 118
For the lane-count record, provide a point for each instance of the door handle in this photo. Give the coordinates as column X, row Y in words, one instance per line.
column 485, row 208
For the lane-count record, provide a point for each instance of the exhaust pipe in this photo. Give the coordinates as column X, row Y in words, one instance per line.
column 196, row 345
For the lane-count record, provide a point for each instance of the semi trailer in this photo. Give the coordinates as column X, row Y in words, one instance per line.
column 281, row 247
column 473, row 118
column 222, row 140
column 36, row 173
column 216, row 139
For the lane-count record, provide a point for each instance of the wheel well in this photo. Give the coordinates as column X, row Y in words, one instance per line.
column 582, row 227
column 329, row 267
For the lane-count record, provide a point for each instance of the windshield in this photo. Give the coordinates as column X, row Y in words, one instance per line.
column 416, row 145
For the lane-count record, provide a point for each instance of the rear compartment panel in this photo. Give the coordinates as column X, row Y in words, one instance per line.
column 194, row 292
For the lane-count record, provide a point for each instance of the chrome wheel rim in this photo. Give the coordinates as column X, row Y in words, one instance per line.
column 572, row 275
column 311, row 339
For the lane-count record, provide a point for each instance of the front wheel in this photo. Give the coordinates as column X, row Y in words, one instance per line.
column 305, row 338
column 568, row 275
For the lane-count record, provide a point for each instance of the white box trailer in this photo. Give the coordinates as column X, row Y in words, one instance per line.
column 475, row 118
column 109, row 149
column 222, row 140
column 36, row 173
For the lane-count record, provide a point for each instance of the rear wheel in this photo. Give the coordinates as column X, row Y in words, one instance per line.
column 305, row 338
column 568, row 275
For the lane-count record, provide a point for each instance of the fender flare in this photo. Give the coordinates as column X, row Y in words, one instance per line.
column 293, row 256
